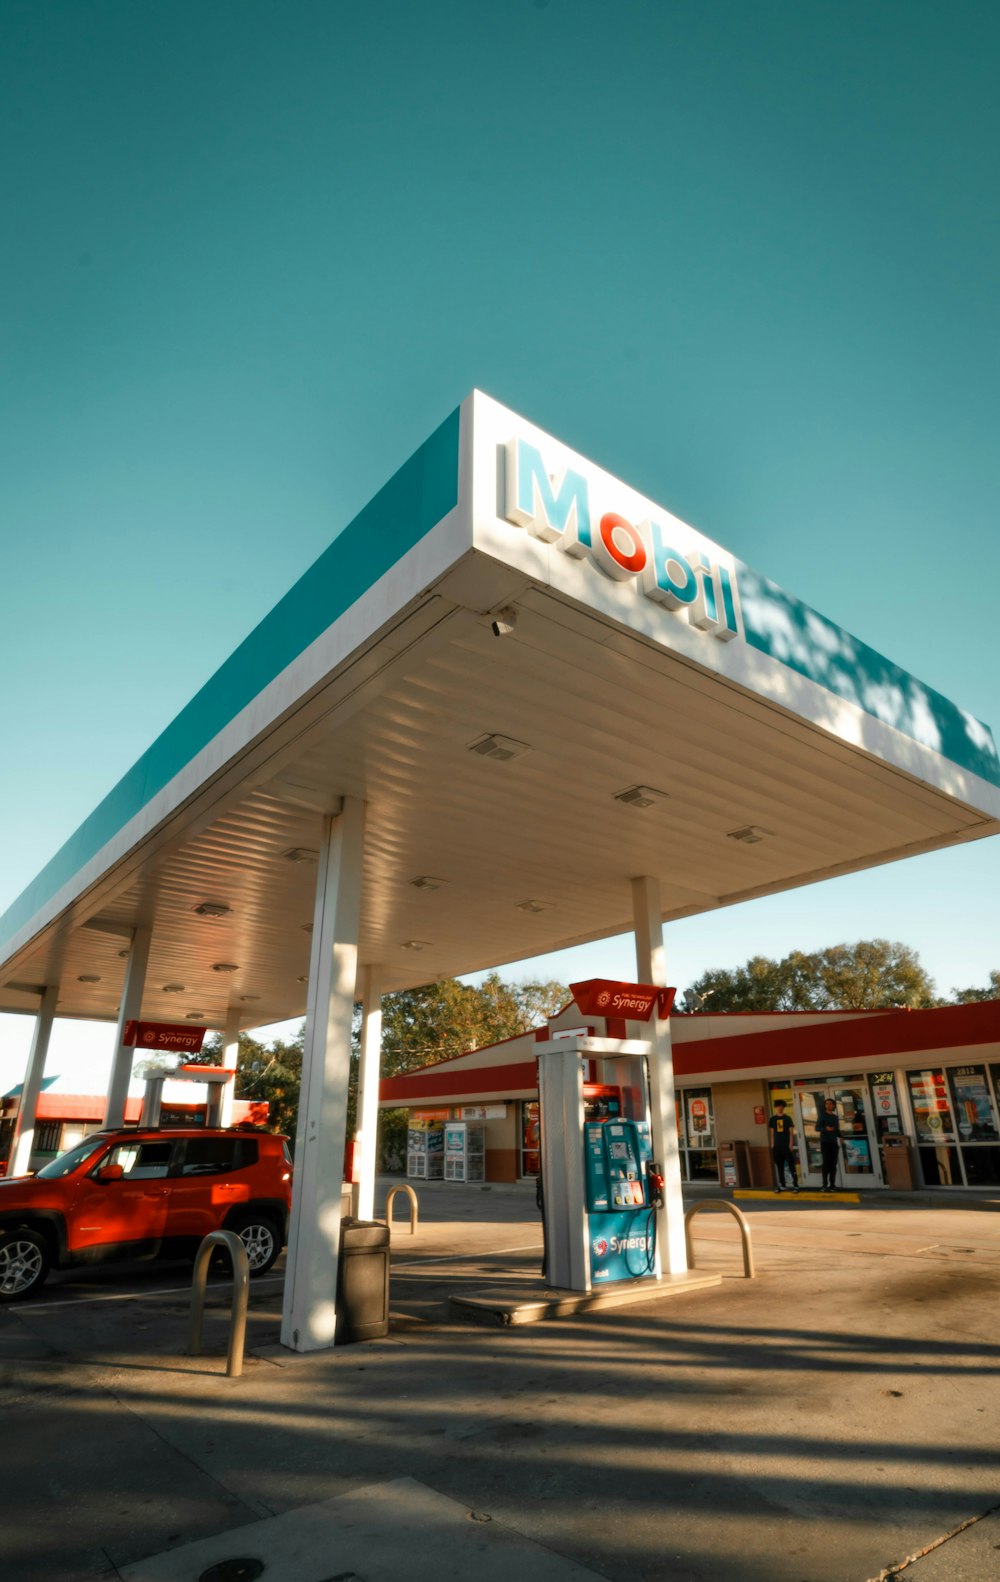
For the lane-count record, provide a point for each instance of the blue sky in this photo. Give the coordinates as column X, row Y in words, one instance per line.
column 744, row 256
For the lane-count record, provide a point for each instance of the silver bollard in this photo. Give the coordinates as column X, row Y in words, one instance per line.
column 241, row 1297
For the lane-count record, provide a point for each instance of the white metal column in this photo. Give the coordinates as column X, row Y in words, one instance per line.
column 651, row 967
column 368, row 1078
column 27, row 1110
column 230, row 1055
column 131, row 1007
column 309, row 1315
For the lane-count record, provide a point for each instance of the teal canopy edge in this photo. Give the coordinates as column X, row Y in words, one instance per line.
column 414, row 500
column 797, row 636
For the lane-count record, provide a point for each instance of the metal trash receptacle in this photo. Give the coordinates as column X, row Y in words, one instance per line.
column 362, row 1280
column 734, row 1164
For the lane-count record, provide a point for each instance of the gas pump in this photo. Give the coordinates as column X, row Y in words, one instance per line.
column 620, row 1207
column 601, row 1187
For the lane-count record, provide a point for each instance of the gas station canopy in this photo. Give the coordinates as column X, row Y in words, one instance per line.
column 541, row 685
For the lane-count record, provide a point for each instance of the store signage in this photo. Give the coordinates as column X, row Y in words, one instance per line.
column 163, row 1036
column 634, row 1001
column 558, row 509
column 758, row 1114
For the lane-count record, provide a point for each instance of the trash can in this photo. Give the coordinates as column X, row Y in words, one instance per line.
column 362, row 1280
column 899, row 1164
column 734, row 1161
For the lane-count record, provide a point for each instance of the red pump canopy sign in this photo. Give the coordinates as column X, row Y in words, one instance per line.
column 634, row 1001
column 164, row 1036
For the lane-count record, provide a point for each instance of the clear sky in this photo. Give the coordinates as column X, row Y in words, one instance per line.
column 742, row 255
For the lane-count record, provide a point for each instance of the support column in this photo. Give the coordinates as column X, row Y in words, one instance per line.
column 309, row 1315
column 368, row 1077
column 230, row 1055
column 651, row 967
column 152, row 1101
column 27, row 1110
column 131, row 1007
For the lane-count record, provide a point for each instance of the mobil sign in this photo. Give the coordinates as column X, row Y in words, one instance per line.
column 664, row 560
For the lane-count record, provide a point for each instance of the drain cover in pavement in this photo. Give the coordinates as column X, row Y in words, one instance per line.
column 233, row 1571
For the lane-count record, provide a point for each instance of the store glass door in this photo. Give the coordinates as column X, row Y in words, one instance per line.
column 857, row 1155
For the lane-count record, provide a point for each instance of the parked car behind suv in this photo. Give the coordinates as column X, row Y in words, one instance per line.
column 144, row 1194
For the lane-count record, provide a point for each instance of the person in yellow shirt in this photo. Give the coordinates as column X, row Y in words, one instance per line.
column 782, row 1140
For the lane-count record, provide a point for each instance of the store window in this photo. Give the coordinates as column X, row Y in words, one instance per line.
column 530, row 1159
column 955, row 1117
column 696, row 1134
column 47, row 1137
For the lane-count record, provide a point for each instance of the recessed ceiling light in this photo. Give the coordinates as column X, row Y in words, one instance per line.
column 532, row 906
column 304, row 978
column 88, row 977
column 301, row 854
column 124, row 954
column 307, row 928
column 500, row 747
column 173, row 988
column 195, row 1016
column 641, row 796
column 415, row 944
column 213, row 909
column 750, row 834
column 225, row 966
column 245, row 999
column 425, row 882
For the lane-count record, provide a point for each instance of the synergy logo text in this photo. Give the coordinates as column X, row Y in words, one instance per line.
column 556, row 508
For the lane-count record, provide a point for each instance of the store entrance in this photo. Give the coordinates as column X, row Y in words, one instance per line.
column 857, row 1166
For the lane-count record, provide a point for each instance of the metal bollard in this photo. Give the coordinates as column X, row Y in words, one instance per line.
column 241, row 1297
column 413, row 1206
column 730, row 1208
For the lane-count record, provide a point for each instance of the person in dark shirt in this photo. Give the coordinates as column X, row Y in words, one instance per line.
column 782, row 1136
column 828, row 1126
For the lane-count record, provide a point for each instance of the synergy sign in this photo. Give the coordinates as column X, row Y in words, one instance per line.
column 557, row 509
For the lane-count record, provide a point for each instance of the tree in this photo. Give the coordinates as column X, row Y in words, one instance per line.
column 271, row 1073
column 439, row 1020
column 870, row 974
column 970, row 996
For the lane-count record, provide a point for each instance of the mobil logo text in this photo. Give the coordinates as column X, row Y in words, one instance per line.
column 560, row 509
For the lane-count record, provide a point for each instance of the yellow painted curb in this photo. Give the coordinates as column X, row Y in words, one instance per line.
column 804, row 1192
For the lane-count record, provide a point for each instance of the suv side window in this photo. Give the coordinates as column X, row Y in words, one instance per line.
column 140, row 1161
column 209, row 1156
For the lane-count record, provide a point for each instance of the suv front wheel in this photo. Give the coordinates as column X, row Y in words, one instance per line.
column 259, row 1236
column 24, row 1264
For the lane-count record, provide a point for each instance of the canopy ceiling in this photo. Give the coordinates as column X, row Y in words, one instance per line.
column 396, row 680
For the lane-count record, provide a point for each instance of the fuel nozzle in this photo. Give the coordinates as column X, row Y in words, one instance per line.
column 655, row 1183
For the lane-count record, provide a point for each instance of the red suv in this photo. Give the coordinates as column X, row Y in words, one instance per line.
column 144, row 1194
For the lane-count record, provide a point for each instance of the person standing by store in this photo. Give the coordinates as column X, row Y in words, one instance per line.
column 782, row 1137
column 828, row 1126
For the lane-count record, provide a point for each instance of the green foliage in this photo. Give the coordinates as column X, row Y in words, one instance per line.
column 970, row 996
column 272, row 1073
column 870, row 974
column 439, row 1020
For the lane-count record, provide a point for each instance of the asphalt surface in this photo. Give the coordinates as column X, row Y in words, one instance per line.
column 834, row 1420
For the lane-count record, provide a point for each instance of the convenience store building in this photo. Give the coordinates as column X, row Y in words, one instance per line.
column 917, row 1093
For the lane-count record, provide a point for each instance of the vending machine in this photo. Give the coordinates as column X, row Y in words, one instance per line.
column 464, row 1151
column 425, row 1150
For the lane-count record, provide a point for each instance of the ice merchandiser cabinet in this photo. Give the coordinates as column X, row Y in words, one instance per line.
column 598, row 1194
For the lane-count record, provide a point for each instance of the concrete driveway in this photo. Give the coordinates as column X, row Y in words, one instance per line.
column 827, row 1422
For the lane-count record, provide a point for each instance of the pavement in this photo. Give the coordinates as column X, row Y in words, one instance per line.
column 833, row 1420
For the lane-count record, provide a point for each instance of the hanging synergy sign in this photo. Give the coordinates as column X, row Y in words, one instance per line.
column 558, row 509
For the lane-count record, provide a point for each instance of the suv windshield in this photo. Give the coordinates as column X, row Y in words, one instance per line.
column 69, row 1161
